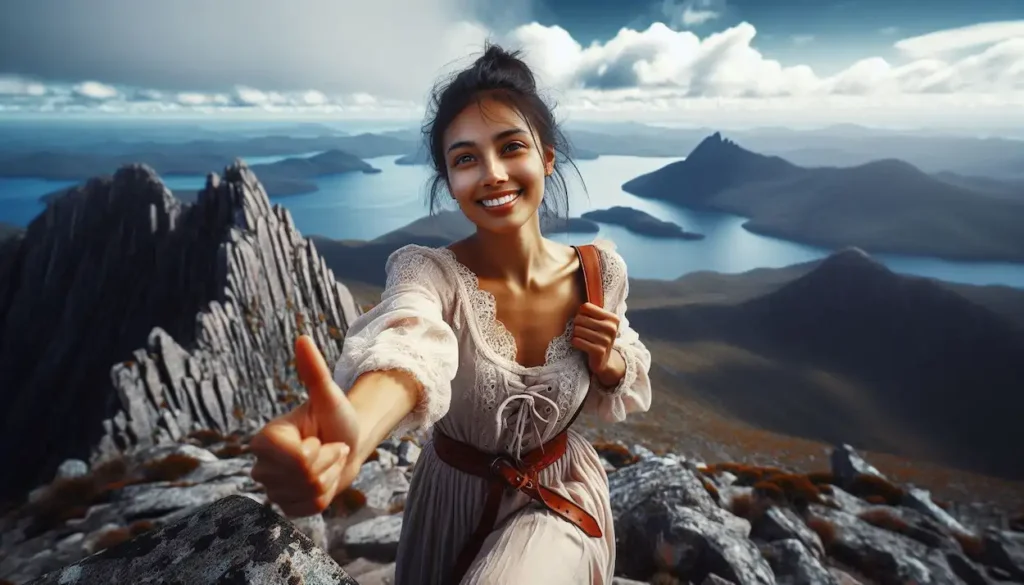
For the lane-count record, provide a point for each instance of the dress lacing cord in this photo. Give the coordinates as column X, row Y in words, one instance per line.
column 527, row 412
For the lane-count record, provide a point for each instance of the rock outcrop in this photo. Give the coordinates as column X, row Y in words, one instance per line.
column 233, row 540
column 128, row 319
column 676, row 521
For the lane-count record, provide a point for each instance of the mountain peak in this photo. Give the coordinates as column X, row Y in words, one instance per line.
column 716, row 146
column 842, row 267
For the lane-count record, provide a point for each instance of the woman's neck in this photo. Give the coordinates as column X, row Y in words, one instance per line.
column 517, row 258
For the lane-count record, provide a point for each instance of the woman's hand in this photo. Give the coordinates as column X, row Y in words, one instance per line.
column 594, row 332
column 307, row 456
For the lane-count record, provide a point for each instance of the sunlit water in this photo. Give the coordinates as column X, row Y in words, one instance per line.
column 360, row 206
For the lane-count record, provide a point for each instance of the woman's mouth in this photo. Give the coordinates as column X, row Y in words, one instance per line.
column 502, row 203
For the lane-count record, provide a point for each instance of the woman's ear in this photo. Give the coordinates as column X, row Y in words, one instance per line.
column 549, row 160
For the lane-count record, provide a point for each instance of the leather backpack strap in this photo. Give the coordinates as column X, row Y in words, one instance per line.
column 590, row 262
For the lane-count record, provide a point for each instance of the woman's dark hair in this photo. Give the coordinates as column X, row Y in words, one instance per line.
column 500, row 75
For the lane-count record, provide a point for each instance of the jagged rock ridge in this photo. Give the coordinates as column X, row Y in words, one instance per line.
column 128, row 318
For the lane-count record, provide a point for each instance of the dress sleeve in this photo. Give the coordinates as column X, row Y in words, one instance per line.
column 406, row 331
column 633, row 392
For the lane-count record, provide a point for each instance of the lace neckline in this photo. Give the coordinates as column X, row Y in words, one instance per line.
column 497, row 340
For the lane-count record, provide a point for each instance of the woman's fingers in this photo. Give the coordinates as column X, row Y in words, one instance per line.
column 311, row 488
column 590, row 335
column 326, row 456
column 311, row 498
column 279, row 442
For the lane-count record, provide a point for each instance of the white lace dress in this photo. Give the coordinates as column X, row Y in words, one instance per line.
column 434, row 321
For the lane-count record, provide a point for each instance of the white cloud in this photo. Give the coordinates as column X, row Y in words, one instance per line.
column 726, row 65
column 966, row 74
column 956, row 39
column 13, row 86
column 95, row 90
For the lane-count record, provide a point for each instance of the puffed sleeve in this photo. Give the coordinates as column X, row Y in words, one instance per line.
column 633, row 392
column 407, row 331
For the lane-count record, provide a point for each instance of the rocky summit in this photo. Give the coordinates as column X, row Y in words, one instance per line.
column 188, row 512
column 129, row 319
column 145, row 341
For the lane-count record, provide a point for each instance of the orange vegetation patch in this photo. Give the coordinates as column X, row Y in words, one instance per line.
column 885, row 519
column 825, row 530
column 349, row 501
column 170, row 468
column 789, row 487
column 231, row 450
column 745, row 506
column 140, row 526
column 972, row 545
column 866, row 485
column 616, row 453
column 206, row 437
column 746, row 475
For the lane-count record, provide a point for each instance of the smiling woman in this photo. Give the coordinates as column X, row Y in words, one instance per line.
column 494, row 342
column 490, row 119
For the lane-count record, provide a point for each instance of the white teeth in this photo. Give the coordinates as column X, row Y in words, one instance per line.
column 499, row 200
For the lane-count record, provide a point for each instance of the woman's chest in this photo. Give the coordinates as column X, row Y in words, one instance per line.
column 534, row 320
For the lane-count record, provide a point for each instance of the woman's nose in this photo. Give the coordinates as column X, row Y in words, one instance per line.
column 494, row 172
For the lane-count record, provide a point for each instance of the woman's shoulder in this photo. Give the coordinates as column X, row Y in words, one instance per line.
column 418, row 263
column 614, row 274
column 613, row 265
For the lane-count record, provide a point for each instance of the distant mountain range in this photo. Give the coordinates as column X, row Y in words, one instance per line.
column 185, row 158
column 845, row 349
column 843, row 146
column 882, row 206
column 69, row 151
column 290, row 176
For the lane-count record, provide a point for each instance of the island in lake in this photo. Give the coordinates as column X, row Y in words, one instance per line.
column 885, row 206
column 291, row 176
column 640, row 222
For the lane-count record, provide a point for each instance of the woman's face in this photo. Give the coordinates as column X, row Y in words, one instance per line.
column 496, row 166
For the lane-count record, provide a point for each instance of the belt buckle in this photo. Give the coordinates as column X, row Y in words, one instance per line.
column 521, row 479
column 501, row 459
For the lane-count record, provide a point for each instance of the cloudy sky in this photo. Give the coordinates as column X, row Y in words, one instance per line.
column 697, row 62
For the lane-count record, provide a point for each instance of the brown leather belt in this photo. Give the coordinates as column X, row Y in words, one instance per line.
column 504, row 473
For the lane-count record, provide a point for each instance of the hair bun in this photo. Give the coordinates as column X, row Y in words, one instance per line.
column 504, row 68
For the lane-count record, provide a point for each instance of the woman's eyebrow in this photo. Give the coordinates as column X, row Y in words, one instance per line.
column 496, row 137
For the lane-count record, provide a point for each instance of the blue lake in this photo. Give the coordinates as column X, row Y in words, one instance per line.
column 358, row 206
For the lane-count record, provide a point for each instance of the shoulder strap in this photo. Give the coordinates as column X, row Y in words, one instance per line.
column 590, row 262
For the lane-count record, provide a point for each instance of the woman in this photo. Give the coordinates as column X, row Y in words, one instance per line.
column 490, row 342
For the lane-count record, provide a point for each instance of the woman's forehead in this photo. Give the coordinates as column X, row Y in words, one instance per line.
column 484, row 118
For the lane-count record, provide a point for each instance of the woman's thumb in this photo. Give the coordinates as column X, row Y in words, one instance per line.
column 325, row 398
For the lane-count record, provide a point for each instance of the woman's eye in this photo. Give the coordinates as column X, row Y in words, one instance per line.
column 513, row 146
column 461, row 159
